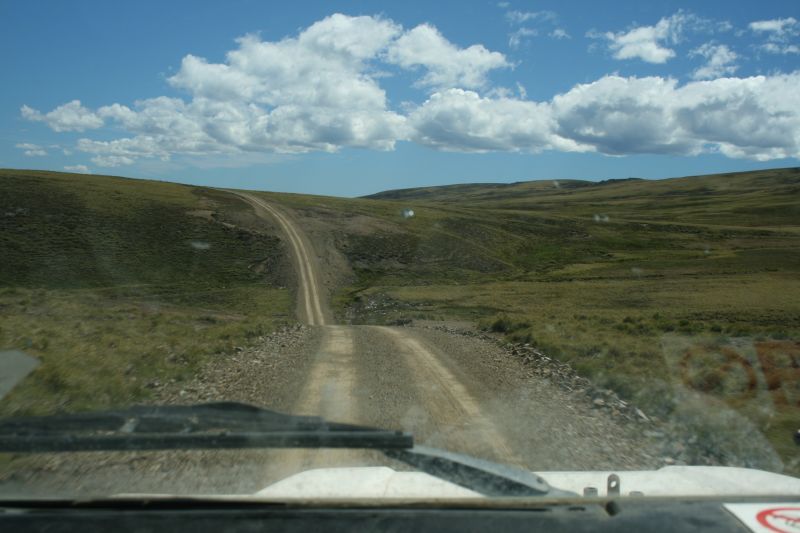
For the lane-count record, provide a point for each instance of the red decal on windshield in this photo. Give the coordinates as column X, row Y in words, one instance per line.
column 780, row 519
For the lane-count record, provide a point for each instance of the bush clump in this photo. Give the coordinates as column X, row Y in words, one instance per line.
column 502, row 324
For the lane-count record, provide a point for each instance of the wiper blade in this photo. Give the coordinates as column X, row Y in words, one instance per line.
column 225, row 425
column 490, row 479
column 230, row 425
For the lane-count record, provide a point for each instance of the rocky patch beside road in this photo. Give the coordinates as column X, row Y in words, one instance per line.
column 264, row 373
column 725, row 439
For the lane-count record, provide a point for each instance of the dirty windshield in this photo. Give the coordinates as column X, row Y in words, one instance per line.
column 330, row 239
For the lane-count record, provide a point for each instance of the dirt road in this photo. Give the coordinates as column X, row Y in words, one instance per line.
column 331, row 387
column 309, row 302
column 455, row 393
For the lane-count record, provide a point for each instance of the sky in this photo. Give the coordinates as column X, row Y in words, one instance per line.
column 351, row 98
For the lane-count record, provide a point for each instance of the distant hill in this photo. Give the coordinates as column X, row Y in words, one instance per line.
column 476, row 190
column 756, row 198
column 60, row 230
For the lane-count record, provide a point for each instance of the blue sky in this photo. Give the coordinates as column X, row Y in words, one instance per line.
column 349, row 98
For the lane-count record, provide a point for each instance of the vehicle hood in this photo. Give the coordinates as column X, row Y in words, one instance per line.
column 384, row 482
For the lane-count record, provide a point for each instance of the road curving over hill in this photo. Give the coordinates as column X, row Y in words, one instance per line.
column 309, row 291
column 437, row 387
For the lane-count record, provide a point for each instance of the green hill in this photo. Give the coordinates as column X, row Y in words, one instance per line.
column 743, row 198
column 116, row 284
column 477, row 191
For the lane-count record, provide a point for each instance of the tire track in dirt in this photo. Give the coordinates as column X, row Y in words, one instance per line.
column 328, row 393
column 453, row 409
column 307, row 285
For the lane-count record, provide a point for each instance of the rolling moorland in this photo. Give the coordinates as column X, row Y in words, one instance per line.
column 117, row 283
column 622, row 279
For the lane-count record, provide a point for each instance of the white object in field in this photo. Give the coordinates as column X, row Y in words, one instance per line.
column 383, row 482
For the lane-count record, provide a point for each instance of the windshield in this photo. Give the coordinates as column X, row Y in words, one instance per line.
column 562, row 238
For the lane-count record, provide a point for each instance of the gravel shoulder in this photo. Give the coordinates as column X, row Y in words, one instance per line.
column 546, row 427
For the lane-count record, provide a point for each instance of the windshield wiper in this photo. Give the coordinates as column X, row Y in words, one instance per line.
column 225, row 425
column 230, row 425
column 488, row 478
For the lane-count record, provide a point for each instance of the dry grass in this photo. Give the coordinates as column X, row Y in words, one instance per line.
column 116, row 284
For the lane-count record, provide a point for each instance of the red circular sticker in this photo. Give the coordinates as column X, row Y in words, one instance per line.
column 780, row 519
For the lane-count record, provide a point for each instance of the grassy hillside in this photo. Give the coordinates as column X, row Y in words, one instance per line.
column 622, row 279
column 121, row 285
column 737, row 199
column 647, row 287
column 477, row 191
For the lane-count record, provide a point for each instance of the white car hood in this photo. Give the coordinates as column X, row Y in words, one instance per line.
column 384, row 482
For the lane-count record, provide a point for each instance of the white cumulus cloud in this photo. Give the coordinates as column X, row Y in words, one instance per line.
column 775, row 26
column 775, row 48
column 521, row 21
column 71, row 116
column 756, row 117
column 720, row 61
column 320, row 90
column 32, row 150
column 520, row 35
column 79, row 169
column 461, row 120
column 446, row 64
column 779, row 34
column 648, row 43
column 521, row 17
column 315, row 91
column 125, row 151
column 616, row 115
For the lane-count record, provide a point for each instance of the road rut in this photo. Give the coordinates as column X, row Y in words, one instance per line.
column 433, row 386
column 309, row 290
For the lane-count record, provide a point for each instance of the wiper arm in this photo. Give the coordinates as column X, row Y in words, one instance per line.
column 226, row 425
column 490, row 479
column 230, row 425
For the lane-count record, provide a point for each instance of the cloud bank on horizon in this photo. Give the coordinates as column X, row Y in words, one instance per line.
column 321, row 90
